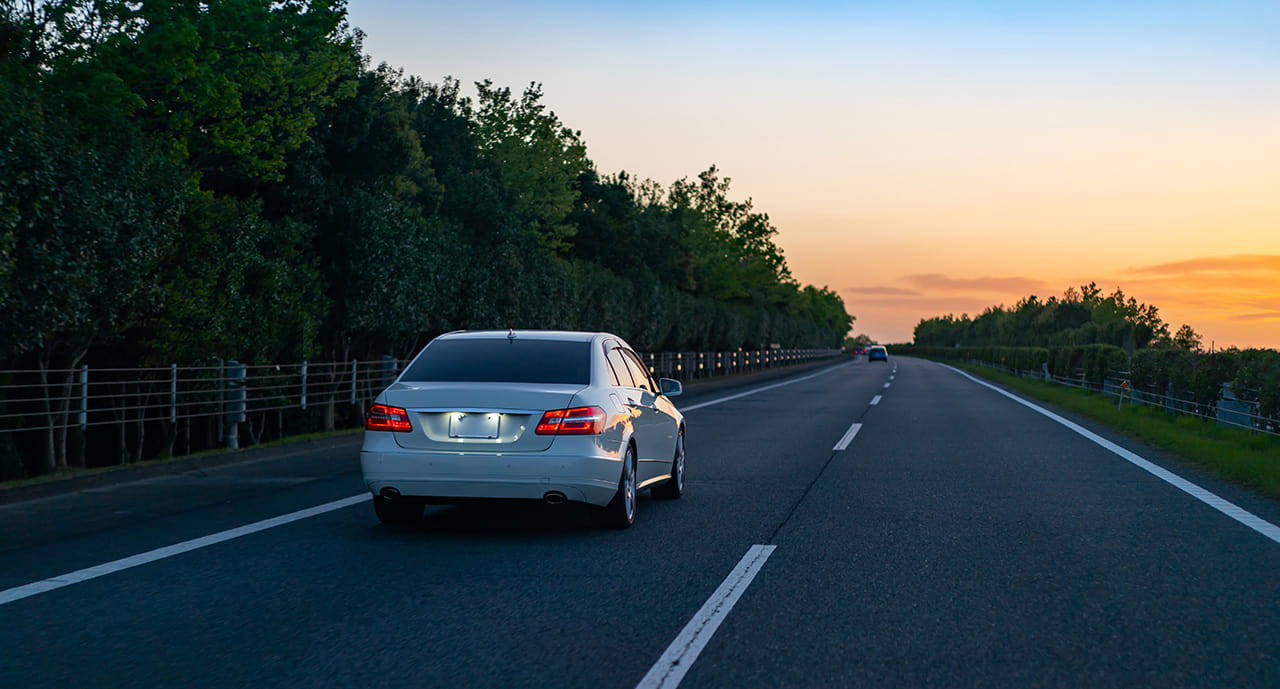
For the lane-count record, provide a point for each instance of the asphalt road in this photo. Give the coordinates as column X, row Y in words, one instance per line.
column 960, row 540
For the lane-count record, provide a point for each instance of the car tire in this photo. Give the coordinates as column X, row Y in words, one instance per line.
column 620, row 513
column 397, row 510
column 673, row 487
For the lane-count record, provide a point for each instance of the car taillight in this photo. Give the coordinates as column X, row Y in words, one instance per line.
column 576, row 421
column 385, row 418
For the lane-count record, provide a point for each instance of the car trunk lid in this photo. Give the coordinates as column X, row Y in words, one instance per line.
column 477, row 417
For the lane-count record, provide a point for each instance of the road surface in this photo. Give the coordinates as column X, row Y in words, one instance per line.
column 861, row 525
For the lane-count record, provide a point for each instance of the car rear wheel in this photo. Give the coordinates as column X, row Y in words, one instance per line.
column 620, row 513
column 674, row 486
column 397, row 510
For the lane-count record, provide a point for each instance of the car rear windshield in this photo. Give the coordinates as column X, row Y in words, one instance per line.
column 503, row 361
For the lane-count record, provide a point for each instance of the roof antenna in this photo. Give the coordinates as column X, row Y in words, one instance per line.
column 511, row 335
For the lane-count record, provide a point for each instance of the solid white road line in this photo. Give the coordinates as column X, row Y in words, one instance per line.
column 767, row 387
column 876, row 400
column 680, row 655
column 1228, row 508
column 847, row 438
column 38, row 587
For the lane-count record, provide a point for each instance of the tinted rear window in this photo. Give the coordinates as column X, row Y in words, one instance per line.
column 503, row 361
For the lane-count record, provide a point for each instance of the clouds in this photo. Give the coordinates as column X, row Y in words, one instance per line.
column 1238, row 263
column 987, row 285
column 1255, row 317
column 882, row 291
column 1221, row 281
column 1239, row 288
column 928, row 287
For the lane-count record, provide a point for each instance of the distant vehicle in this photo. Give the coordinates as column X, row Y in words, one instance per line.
column 877, row 353
column 544, row 415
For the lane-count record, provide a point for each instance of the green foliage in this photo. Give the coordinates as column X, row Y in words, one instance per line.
column 233, row 84
column 1198, row 377
column 539, row 158
column 858, row 341
column 236, row 283
column 1079, row 317
column 186, row 181
column 1257, row 379
column 86, row 215
column 1187, row 339
column 735, row 258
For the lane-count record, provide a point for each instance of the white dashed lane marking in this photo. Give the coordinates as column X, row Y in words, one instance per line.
column 847, row 438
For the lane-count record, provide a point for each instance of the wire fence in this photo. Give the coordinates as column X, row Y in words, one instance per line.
column 83, row 398
column 1227, row 409
column 95, row 416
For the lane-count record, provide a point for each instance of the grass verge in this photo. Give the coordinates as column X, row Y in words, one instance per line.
column 1233, row 454
column 74, row 472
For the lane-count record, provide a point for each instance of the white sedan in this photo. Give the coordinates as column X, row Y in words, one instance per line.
column 531, row 414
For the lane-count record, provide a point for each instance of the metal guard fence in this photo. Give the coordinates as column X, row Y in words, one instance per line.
column 1227, row 410
column 84, row 398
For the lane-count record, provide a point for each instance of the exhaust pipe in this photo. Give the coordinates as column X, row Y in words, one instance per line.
column 389, row 493
column 555, row 497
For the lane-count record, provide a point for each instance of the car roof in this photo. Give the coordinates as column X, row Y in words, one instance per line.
column 560, row 335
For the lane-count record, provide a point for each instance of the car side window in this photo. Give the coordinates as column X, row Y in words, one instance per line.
column 609, row 365
column 640, row 372
column 618, row 363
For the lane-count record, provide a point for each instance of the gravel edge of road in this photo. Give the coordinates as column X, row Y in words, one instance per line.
column 696, row 389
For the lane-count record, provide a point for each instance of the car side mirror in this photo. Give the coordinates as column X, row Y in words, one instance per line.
column 670, row 387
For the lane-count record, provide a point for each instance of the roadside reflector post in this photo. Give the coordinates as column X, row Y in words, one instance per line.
column 84, row 397
column 173, row 393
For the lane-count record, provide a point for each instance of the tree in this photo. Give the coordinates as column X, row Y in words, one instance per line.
column 1081, row 317
column 232, row 85
column 539, row 158
column 623, row 226
column 87, row 214
column 1188, row 339
column 735, row 258
column 858, row 341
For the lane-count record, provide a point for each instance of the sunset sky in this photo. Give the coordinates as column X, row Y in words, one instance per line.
column 925, row 158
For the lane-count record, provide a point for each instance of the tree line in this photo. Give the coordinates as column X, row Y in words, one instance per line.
column 186, row 181
column 1093, row 336
column 1083, row 316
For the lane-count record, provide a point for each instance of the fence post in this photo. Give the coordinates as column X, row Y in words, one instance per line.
column 235, row 395
column 304, row 383
column 173, row 393
column 353, row 381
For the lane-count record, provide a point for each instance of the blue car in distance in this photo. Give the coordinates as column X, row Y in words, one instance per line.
column 877, row 353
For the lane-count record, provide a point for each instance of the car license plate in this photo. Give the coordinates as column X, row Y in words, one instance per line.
column 474, row 425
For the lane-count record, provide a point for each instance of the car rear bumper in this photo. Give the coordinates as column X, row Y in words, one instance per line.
column 592, row 480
